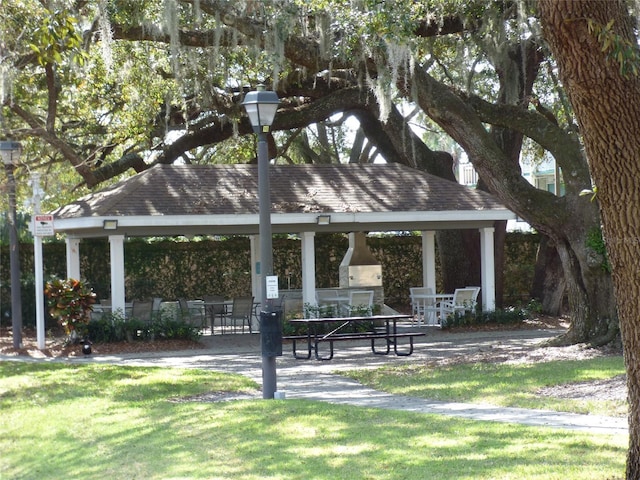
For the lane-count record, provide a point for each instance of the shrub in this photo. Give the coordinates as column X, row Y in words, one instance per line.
column 510, row 315
column 113, row 327
column 70, row 302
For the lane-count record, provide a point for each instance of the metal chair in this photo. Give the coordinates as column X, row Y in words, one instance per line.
column 464, row 300
column 360, row 302
column 328, row 302
column 242, row 310
column 141, row 310
column 190, row 313
column 214, row 308
column 424, row 308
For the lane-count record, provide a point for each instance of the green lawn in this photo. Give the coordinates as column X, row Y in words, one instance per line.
column 94, row 421
column 509, row 385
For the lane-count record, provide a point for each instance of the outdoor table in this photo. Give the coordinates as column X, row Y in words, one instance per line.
column 209, row 308
column 431, row 304
column 387, row 333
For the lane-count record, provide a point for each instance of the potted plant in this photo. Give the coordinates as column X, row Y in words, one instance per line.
column 70, row 302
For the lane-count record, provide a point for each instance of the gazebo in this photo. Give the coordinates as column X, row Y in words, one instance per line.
column 171, row 200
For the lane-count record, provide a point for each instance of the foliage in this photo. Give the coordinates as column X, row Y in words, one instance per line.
column 23, row 221
column 596, row 242
column 113, row 327
column 618, row 49
column 57, row 35
column 319, row 311
column 510, row 315
column 70, row 302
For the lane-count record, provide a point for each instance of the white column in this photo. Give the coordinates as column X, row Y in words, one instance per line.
column 116, row 252
column 487, row 269
column 73, row 257
column 429, row 260
column 38, row 263
column 39, row 286
column 308, row 268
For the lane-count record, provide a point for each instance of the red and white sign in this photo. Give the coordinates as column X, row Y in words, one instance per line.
column 43, row 225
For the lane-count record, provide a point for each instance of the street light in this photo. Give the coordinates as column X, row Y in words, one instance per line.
column 261, row 106
column 10, row 152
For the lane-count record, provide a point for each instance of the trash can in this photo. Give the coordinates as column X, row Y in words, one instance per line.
column 271, row 333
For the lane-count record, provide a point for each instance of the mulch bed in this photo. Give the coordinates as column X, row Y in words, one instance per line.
column 56, row 347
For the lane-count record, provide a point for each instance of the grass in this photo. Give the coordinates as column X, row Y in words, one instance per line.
column 509, row 385
column 94, row 421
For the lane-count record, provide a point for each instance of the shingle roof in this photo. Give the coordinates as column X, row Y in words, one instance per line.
column 233, row 189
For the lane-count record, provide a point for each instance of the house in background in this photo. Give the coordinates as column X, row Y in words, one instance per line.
column 545, row 176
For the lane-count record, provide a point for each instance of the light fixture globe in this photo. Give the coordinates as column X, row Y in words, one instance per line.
column 261, row 106
column 10, row 152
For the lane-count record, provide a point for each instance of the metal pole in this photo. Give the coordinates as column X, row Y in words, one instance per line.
column 14, row 261
column 269, row 376
column 38, row 264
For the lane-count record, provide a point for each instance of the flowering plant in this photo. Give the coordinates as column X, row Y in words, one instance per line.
column 70, row 302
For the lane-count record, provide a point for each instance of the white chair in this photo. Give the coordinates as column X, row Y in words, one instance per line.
column 360, row 302
column 477, row 289
column 464, row 300
column 327, row 300
column 423, row 305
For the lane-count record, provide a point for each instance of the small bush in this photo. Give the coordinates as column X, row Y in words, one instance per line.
column 70, row 302
column 115, row 328
column 510, row 315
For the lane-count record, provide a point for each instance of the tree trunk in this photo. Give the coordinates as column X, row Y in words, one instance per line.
column 549, row 284
column 605, row 94
column 564, row 219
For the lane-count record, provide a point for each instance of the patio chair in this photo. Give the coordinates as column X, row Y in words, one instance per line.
column 191, row 313
column 328, row 302
column 360, row 303
column 141, row 310
column 155, row 307
column 241, row 311
column 423, row 307
column 214, row 308
column 464, row 300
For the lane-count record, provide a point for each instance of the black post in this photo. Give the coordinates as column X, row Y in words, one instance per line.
column 14, row 262
column 269, row 376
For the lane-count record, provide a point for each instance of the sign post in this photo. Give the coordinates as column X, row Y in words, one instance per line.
column 42, row 227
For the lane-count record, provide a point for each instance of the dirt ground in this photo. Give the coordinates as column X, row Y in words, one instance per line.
column 609, row 389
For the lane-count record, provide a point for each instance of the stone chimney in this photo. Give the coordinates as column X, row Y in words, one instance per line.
column 359, row 268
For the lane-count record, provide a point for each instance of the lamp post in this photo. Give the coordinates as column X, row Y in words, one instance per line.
column 10, row 152
column 261, row 106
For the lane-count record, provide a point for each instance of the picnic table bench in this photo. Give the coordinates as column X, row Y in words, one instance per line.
column 377, row 328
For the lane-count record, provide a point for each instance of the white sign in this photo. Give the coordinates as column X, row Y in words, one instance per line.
column 43, row 225
column 272, row 286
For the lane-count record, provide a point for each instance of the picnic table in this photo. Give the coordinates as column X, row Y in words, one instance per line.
column 379, row 329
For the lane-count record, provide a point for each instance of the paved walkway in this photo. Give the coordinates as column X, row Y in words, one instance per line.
column 314, row 380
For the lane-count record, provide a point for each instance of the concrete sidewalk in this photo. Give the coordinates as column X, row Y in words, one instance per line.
column 315, row 380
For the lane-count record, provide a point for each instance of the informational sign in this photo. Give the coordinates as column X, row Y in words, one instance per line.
column 43, row 225
column 272, row 286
